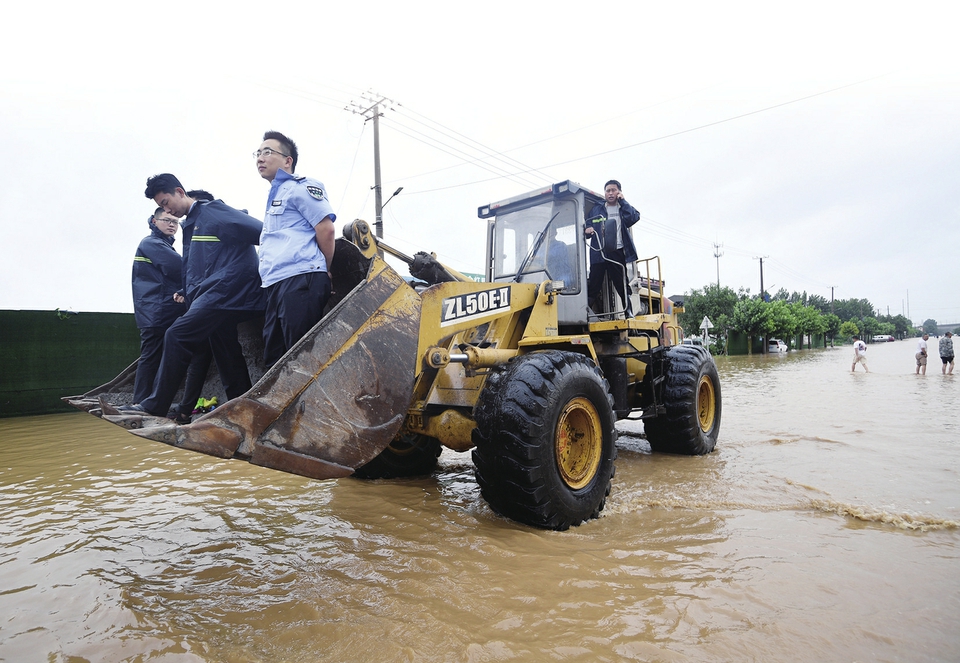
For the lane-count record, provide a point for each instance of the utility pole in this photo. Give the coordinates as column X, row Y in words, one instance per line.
column 372, row 112
column 716, row 254
column 760, row 258
column 831, row 312
column 762, row 338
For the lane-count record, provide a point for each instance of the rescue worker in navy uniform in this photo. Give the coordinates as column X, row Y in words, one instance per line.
column 296, row 247
column 611, row 246
column 200, row 364
column 222, row 289
column 157, row 276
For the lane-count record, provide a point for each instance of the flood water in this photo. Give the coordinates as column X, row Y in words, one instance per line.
column 826, row 527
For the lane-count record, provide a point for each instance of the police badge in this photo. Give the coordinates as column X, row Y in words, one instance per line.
column 316, row 192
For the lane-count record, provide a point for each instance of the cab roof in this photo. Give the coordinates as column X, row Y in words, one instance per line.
column 537, row 196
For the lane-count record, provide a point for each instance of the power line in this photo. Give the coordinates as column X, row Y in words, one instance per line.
column 670, row 135
column 478, row 146
column 468, row 159
column 353, row 163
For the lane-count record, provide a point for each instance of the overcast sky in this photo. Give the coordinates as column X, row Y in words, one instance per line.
column 822, row 137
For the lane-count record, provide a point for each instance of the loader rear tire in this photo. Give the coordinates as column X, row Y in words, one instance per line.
column 409, row 455
column 545, row 440
column 691, row 396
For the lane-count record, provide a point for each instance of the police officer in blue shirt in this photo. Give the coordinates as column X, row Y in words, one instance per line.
column 296, row 247
column 157, row 274
column 222, row 288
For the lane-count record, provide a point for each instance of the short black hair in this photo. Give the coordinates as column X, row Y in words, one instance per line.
column 200, row 194
column 156, row 215
column 162, row 183
column 609, row 182
column 856, row 338
column 288, row 145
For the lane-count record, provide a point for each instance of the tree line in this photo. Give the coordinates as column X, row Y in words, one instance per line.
column 785, row 315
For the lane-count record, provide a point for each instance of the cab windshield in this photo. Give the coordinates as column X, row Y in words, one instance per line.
column 539, row 242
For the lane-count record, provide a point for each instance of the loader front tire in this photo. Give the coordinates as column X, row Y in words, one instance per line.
column 409, row 455
column 691, row 396
column 545, row 440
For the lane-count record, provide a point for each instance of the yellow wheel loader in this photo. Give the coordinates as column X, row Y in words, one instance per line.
column 519, row 368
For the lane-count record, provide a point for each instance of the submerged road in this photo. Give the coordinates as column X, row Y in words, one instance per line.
column 824, row 528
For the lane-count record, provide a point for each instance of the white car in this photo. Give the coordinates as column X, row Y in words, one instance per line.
column 776, row 346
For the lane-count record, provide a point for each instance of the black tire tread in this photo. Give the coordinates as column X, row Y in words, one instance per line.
column 678, row 430
column 419, row 461
column 515, row 416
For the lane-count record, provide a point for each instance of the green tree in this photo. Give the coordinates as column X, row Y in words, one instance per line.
column 781, row 322
column 809, row 321
column 782, row 295
column 848, row 329
column 712, row 302
column 832, row 324
column 852, row 309
column 930, row 326
column 750, row 317
column 902, row 326
column 870, row 326
column 819, row 302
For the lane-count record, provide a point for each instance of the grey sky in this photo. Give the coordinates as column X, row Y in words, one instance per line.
column 821, row 136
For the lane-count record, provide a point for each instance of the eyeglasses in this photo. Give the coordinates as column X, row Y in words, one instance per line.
column 265, row 152
column 166, row 221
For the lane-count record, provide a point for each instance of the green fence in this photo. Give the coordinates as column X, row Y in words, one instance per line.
column 737, row 343
column 48, row 354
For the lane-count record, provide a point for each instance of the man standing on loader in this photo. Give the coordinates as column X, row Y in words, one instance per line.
column 611, row 246
column 296, row 248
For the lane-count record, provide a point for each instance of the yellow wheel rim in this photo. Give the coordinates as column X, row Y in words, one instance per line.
column 706, row 403
column 579, row 443
column 403, row 444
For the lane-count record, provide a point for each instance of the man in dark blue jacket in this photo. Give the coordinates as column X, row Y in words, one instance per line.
column 157, row 276
column 221, row 286
column 611, row 246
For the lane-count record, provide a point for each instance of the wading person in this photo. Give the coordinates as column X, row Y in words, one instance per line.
column 157, row 276
column 296, row 247
column 611, row 246
column 946, row 353
column 222, row 289
column 922, row 355
column 859, row 354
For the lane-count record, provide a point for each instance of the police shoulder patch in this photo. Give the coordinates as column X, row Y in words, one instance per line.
column 315, row 191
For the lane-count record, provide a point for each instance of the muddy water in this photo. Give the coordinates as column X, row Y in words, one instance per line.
column 825, row 528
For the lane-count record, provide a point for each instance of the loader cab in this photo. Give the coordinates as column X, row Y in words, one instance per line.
column 539, row 236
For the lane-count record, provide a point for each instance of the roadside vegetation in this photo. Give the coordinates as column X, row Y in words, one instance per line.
column 787, row 315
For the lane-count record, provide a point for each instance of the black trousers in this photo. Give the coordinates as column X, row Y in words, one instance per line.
column 615, row 269
column 151, row 350
column 294, row 306
column 196, row 376
column 184, row 339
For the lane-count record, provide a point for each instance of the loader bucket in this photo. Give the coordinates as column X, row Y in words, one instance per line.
column 334, row 401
